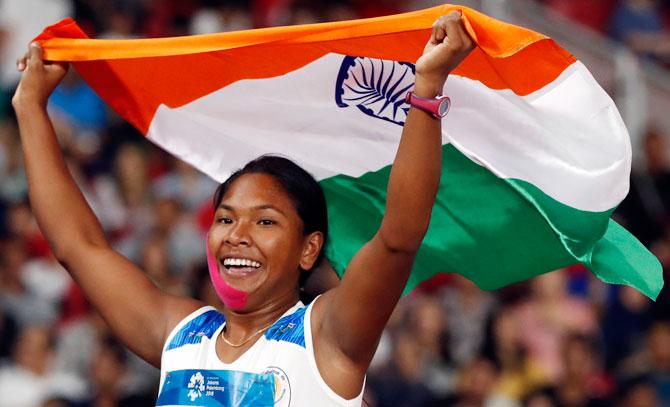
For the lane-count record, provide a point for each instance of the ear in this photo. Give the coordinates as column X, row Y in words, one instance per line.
column 311, row 248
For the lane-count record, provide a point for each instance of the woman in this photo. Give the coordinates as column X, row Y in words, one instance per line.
column 265, row 347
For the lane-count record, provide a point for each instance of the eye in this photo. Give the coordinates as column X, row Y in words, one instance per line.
column 266, row 222
column 224, row 220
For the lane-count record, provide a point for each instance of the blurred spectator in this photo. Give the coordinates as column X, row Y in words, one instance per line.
column 111, row 379
column 478, row 386
column 467, row 309
column 429, row 331
column 626, row 319
column 183, row 239
column 201, row 288
column 542, row 397
column 77, row 342
column 637, row 392
column 420, row 371
column 399, row 384
column 583, row 382
column 13, row 183
column 653, row 361
column 19, row 24
column 8, row 331
column 646, row 209
column 24, row 306
column 155, row 262
column 79, row 116
column 120, row 24
column 548, row 316
column 27, row 381
column 519, row 374
column 128, row 198
column 659, row 359
column 75, row 103
column 593, row 13
column 167, row 18
column 229, row 16
column 190, row 188
column 639, row 24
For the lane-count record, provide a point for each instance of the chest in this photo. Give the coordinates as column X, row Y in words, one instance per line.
column 264, row 375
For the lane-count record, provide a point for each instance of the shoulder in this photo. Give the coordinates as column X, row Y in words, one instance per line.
column 338, row 371
column 199, row 324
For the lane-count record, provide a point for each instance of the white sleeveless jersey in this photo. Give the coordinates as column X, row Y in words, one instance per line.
column 279, row 370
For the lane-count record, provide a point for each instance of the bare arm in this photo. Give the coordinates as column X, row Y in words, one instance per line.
column 136, row 310
column 350, row 318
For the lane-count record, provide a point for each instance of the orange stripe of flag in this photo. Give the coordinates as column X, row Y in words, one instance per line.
column 136, row 76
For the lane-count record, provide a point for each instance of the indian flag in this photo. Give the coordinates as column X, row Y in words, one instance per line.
column 535, row 154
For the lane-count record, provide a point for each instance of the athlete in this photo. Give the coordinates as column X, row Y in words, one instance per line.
column 264, row 347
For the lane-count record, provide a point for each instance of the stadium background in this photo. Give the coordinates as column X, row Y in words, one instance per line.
column 561, row 339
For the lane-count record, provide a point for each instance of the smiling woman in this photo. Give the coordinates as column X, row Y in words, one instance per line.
column 265, row 347
column 258, row 221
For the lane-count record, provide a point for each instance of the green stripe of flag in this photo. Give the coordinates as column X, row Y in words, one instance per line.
column 493, row 231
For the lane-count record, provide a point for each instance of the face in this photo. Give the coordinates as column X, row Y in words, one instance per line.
column 258, row 242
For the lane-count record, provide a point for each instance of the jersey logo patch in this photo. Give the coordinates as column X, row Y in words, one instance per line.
column 217, row 388
column 196, row 386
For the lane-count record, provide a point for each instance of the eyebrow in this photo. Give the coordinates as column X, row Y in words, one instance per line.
column 254, row 208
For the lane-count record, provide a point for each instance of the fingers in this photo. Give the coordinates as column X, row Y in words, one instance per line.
column 32, row 57
column 450, row 30
column 449, row 44
column 21, row 63
column 438, row 34
column 35, row 53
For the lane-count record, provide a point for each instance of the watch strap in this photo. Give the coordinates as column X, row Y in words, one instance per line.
column 438, row 107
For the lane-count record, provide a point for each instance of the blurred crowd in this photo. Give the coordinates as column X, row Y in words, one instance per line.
column 642, row 25
column 562, row 339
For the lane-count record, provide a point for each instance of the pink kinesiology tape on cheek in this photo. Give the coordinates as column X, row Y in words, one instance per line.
column 231, row 297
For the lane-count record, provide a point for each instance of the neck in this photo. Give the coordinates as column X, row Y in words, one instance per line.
column 241, row 324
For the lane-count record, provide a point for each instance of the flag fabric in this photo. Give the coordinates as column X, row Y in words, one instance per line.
column 535, row 154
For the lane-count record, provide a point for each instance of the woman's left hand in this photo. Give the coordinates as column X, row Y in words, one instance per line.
column 448, row 45
column 38, row 79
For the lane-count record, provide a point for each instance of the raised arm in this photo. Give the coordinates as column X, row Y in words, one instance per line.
column 350, row 319
column 136, row 310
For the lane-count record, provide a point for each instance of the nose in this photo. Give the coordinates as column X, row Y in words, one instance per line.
column 238, row 235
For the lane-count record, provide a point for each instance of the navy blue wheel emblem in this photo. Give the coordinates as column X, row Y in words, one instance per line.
column 376, row 87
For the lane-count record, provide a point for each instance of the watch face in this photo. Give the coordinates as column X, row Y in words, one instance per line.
column 443, row 108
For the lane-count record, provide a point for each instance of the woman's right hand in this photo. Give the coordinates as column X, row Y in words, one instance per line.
column 448, row 46
column 39, row 78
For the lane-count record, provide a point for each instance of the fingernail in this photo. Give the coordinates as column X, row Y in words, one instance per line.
column 20, row 66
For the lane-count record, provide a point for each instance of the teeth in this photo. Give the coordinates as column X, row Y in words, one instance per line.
column 228, row 262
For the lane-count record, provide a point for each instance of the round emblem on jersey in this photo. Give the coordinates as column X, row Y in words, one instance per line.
column 282, row 386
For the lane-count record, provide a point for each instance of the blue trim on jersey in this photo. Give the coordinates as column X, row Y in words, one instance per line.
column 217, row 388
column 290, row 328
column 203, row 325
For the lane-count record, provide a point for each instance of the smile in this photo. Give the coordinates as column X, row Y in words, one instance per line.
column 239, row 262
column 238, row 266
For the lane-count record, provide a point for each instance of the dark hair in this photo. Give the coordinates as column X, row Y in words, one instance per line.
column 301, row 187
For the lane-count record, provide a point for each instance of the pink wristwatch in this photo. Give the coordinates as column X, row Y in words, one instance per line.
column 438, row 106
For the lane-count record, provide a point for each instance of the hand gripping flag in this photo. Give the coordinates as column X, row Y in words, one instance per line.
column 535, row 154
